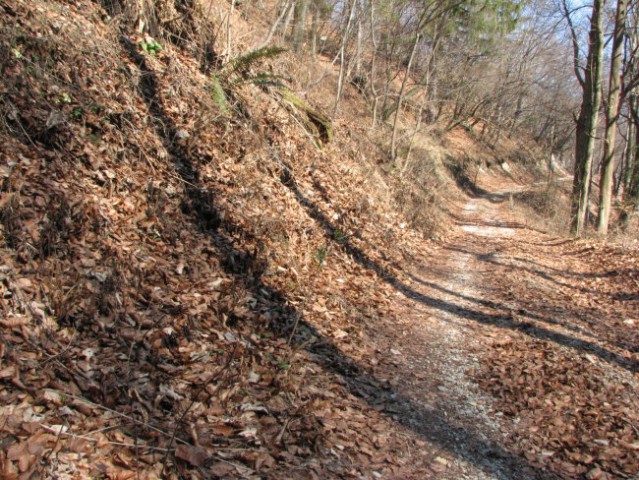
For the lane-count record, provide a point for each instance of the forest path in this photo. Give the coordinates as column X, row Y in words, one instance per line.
column 506, row 335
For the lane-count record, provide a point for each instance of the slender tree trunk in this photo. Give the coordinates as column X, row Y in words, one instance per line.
column 629, row 164
column 518, row 111
column 283, row 11
column 634, row 183
column 299, row 25
column 401, row 98
column 373, row 66
column 412, row 141
column 429, row 76
column 342, row 50
column 358, row 50
column 621, row 167
column 587, row 121
column 497, row 125
column 315, row 29
column 612, row 115
column 632, row 173
column 229, row 31
column 288, row 19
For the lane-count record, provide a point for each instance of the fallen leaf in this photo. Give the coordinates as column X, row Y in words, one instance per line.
column 196, row 456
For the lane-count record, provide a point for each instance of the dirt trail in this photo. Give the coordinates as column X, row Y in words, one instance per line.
column 499, row 292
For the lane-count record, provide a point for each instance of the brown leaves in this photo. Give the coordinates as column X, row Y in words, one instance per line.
column 570, row 415
column 116, row 311
column 194, row 455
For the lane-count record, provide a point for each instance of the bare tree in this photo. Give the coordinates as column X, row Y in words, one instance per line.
column 612, row 115
column 400, row 99
column 299, row 24
column 590, row 81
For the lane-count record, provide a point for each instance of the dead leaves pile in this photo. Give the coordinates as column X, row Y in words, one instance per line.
column 572, row 419
column 575, row 404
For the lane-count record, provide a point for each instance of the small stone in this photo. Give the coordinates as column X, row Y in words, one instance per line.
column 182, row 134
column 594, row 474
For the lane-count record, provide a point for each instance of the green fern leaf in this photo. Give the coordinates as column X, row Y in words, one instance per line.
column 219, row 95
column 242, row 64
column 264, row 79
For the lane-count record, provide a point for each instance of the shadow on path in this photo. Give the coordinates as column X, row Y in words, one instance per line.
column 490, row 258
column 499, row 306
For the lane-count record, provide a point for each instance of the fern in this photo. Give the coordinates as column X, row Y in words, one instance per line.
column 264, row 79
column 242, row 64
column 219, row 95
column 236, row 72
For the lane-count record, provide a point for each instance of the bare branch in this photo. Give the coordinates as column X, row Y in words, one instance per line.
column 575, row 44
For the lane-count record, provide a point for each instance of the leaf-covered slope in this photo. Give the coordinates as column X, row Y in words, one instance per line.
column 184, row 290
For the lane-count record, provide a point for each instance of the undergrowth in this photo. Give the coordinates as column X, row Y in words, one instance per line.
column 238, row 71
column 546, row 208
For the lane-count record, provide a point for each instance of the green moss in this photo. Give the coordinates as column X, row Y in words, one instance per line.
column 319, row 124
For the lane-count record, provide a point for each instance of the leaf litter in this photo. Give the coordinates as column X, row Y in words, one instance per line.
column 145, row 332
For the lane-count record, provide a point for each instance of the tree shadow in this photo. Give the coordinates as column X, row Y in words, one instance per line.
column 469, row 186
column 494, row 224
column 490, row 258
column 408, row 412
column 464, row 221
column 499, row 306
column 502, row 321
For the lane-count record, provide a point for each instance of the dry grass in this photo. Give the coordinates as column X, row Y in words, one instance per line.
column 545, row 208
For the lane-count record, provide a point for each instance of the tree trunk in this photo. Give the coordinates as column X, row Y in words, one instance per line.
column 288, row 19
column 634, row 181
column 342, row 50
column 430, row 79
column 620, row 180
column 299, row 25
column 412, row 141
column 587, row 121
column 612, row 115
column 632, row 167
column 401, row 98
column 315, row 29
column 358, row 50
column 284, row 7
column 229, row 31
column 373, row 74
column 629, row 158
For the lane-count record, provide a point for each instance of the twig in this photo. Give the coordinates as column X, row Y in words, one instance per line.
column 194, row 399
column 278, row 439
column 95, row 440
column 123, row 415
column 55, row 356
column 308, row 134
column 55, row 445
column 105, row 429
column 297, row 321
column 177, row 177
column 24, row 131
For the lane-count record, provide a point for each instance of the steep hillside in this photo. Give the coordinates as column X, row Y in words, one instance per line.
column 189, row 282
column 173, row 274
